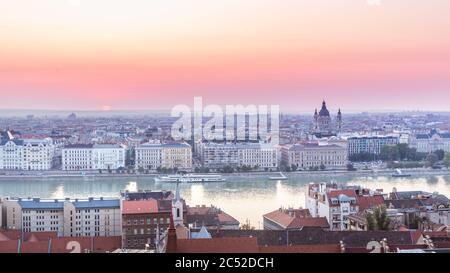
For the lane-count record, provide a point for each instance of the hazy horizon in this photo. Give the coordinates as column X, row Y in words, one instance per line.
column 166, row 112
column 113, row 54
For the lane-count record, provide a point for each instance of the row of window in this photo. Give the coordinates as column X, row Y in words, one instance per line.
column 149, row 221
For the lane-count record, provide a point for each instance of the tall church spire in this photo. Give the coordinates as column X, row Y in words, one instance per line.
column 177, row 208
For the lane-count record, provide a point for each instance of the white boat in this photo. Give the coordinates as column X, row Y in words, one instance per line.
column 191, row 178
column 399, row 173
column 281, row 177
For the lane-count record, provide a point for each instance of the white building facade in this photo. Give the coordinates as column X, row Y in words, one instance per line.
column 93, row 157
column 151, row 156
column 262, row 156
column 334, row 204
column 26, row 154
column 310, row 155
column 431, row 142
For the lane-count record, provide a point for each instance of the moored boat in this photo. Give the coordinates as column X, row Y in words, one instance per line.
column 281, row 177
column 191, row 178
column 399, row 173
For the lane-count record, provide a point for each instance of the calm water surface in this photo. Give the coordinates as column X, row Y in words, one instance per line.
column 243, row 197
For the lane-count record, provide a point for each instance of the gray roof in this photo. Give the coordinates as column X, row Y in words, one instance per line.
column 165, row 145
column 18, row 142
column 431, row 134
column 58, row 204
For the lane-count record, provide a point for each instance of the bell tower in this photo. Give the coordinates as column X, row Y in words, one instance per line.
column 339, row 120
column 177, row 208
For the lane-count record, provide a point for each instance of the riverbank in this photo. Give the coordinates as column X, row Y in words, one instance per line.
column 91, row 175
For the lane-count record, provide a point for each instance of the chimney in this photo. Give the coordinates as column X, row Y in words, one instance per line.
column 171, row 246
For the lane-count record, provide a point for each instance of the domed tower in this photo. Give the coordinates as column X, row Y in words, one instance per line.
column 324, row 119
column 339, row 120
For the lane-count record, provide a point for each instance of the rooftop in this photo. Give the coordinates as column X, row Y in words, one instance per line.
column 140, row 207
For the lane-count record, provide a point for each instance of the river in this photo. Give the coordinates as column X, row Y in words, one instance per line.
column 242, row 196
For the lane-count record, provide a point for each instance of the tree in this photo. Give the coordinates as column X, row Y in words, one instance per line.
column 381, row 218
column 403, row 151
column 141, row 169
column 247, row 226
column 431, row 160
column 440, row 154
column 293, row 167
column 378, row 219
column 227, row 169
column 447, row 160
column 390, row 153
column 363, row 157
column 350, row 167
column 322, row 167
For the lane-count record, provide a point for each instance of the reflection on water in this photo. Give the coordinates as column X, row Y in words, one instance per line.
column 197, row 195
column 241, row 196
column 131, row 186
column 58, row 193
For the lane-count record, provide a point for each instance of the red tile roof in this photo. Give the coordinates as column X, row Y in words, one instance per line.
column 140, row 207
column 367, row 202
column 226, row 218
column 297, row 219
column 335, row 248
column 336, row 193
column 218, row 245
column 309, row 222
column 62, row 244
column 416, row 236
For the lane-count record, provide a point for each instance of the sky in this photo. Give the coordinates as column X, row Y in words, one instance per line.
column 140, row 54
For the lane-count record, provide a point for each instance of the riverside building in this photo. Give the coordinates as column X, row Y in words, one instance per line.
column 310, row 155
column 25, row 154
column 93, row 157
column 151, row 156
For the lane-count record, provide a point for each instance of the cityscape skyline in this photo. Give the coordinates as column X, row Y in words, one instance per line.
column 79, row 54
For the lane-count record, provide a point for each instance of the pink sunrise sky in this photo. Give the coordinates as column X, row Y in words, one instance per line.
column 140, row 54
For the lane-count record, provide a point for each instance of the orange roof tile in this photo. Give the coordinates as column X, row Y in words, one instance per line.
column 335, row 248
column 140, row 207
column 367, row 202
column 218, row 245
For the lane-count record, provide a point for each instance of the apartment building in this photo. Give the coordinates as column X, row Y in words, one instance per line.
column 93, row 157
column 151, row 156
column 68, row 217
column 369, row 144
column 431, row 141
column 26, row 154
column 310, row 155
column 218, row 155
column 261, row 155
column 338, row 203
column 145, row 220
